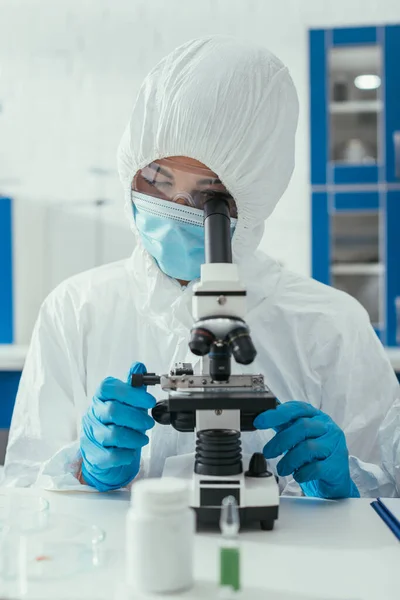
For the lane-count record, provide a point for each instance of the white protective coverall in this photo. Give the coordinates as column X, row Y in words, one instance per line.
column 232, row 106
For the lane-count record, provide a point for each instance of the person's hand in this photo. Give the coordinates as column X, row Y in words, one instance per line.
column 314, row 449
column 113, row 432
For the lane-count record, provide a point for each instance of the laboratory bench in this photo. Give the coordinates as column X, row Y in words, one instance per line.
column 12, row 358
column 318, row 549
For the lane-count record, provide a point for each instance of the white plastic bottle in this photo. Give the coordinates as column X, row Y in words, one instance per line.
column 160, row 537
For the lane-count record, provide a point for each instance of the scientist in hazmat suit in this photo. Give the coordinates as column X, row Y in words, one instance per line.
column 216, row 116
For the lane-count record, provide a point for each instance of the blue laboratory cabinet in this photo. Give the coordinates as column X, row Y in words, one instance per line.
column 6, row 281
column 355, row 167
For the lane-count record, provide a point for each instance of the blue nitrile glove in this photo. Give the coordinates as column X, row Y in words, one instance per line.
column 314, row 449
column 113, row 432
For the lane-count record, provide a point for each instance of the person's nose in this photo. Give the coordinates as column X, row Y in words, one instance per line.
column 180, row 200
column 183, row 198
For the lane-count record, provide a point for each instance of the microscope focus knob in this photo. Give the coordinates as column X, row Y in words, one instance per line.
column 258, row 466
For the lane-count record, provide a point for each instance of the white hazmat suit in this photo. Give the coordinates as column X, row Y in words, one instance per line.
column 233, row 107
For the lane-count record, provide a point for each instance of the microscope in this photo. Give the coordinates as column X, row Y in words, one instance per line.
column 217, row 405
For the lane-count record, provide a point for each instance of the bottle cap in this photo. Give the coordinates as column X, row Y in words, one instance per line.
column 161, row 495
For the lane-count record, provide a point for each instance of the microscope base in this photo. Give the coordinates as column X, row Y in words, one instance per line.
column 264, row 515
column 257, row 498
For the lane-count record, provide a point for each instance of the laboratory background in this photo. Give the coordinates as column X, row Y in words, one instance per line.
column 69, row 73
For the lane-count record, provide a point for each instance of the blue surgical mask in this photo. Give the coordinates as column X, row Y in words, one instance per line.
column 173, row 234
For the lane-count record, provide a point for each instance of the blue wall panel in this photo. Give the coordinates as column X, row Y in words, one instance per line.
column 354, row 35
column 9, row 381
column 320, row 230
column 356, row 201
column 6, row 296
column 392, row 263
column 392, row 96
column 318, row 103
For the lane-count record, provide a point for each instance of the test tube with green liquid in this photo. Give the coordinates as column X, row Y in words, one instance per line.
column 229, row 578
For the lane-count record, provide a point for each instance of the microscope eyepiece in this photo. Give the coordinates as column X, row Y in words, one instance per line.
column 242, row 346
column 217, row 230
column 201, row 341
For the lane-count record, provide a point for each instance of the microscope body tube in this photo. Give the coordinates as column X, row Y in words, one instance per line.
column 217, row 231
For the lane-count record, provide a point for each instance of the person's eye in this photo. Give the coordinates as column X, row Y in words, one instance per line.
column 155, row 182
column 164, row 184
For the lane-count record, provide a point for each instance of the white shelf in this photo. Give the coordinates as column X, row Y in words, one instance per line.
column 362, row 106
column 12, row 357
column 358, row 269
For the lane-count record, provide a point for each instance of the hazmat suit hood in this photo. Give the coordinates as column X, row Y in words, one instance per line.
column 232, row 106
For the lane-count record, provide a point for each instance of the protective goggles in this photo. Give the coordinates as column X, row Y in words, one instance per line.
column 187, row 184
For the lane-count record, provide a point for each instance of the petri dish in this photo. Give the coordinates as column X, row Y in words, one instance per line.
column 27, row 513
column 66, row 546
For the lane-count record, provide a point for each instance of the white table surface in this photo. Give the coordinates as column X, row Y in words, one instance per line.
column 318, row 550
